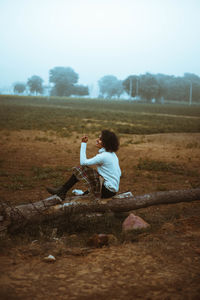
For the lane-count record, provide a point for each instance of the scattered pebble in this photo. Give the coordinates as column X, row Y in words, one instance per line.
column 49, row 258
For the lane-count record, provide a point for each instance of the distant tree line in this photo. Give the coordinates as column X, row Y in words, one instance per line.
column 148, row 87
column 64, row 83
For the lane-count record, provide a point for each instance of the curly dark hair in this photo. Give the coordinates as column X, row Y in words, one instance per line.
column 109, row 141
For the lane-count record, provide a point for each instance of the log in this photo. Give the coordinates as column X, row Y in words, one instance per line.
column 52, row 207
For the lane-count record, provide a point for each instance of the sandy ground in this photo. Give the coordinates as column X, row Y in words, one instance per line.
column 163, row 263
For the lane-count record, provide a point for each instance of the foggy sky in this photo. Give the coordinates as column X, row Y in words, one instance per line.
column 98, row 37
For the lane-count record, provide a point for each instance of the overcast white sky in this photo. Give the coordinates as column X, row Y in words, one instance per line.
column 98, row 37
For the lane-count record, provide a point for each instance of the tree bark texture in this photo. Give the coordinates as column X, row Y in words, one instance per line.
column 52, row 207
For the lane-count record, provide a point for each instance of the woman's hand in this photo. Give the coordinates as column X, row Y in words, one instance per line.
column 84, row 139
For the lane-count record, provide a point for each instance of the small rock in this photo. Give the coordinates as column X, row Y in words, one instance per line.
column 49, row 258
column 34, row 241
column 133, row 222
column 98, row 240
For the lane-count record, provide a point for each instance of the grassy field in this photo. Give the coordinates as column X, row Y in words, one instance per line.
column 35, row 122
column 69, row 115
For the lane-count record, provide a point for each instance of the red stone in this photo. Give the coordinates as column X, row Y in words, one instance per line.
column 133, row 222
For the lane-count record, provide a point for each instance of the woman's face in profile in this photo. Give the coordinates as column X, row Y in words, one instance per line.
column 99, row 142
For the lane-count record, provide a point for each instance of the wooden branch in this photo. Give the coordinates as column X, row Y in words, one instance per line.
column 19, row 216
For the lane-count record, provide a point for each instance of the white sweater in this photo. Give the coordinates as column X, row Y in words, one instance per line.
column 107, row 166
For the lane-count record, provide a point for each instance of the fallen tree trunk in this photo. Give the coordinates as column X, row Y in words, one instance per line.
column 19, row 216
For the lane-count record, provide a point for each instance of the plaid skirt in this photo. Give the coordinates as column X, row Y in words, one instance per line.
column 90, row 178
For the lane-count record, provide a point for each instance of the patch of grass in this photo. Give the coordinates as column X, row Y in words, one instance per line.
column 162, row 166
column 1, row 162
column 43, row 173
column 138, row 142
column 192, row 173
column 3, row 173
column 192, row 145
column 18, row 182
column 195, row 184
column 43, row 139
column 22, row 181
column 40, row 173
column 156, row 165
column 161, row 188
column 132, row 142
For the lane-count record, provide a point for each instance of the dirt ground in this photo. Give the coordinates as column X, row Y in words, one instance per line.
column 161, row 263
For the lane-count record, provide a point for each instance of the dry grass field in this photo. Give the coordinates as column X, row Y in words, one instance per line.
column 160, row 263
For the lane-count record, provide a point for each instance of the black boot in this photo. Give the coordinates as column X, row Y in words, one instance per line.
column 61, row 192
column 53, row 191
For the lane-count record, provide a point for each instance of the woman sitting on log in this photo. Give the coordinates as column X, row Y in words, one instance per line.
column 103, row 182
